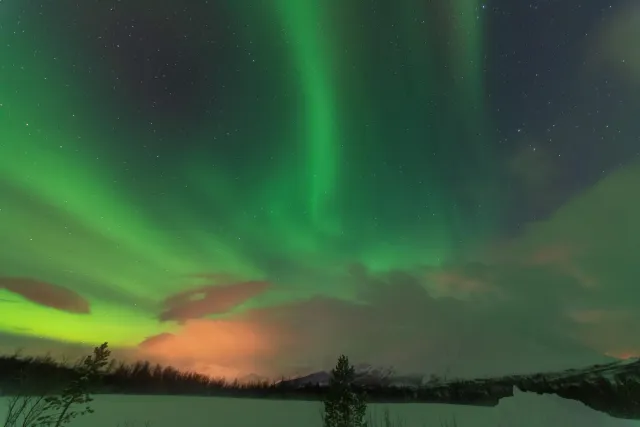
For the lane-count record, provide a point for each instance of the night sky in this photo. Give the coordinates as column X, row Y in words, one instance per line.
column 246, row 187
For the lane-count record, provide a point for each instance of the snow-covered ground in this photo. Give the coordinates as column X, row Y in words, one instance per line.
column 522, row 410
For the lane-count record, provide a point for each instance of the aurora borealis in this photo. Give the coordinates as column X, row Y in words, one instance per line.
column 255, row 187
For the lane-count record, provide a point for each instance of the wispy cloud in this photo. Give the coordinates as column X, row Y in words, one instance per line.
column 207, row 300
column 46, row 294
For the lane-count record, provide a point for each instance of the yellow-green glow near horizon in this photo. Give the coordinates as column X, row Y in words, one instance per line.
column 88, row 205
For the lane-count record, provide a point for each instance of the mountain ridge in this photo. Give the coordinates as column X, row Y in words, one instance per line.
column 386, row 376
column 613, row 388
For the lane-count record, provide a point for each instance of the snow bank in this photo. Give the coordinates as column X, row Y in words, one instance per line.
column 523, row 410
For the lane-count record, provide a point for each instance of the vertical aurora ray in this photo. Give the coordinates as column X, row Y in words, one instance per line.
column 320, row 197
column 468, row 60
column 216, row 173
column 305, row 23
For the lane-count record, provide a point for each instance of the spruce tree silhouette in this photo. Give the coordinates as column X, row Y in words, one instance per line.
column 343, row 407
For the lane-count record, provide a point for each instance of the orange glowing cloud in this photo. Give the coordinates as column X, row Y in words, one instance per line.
column 220, row 348
column 624, row 355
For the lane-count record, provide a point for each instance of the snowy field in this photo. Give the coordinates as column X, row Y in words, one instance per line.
column 523, row 410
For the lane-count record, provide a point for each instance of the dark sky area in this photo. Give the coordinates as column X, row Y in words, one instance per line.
column 258, row 186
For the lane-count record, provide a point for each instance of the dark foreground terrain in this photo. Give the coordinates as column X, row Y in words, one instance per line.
column 612, row 388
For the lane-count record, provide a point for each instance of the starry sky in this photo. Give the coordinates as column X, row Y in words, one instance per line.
column 242, row 187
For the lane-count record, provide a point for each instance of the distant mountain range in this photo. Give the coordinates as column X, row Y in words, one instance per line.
column 367, row 375
column 613, row 388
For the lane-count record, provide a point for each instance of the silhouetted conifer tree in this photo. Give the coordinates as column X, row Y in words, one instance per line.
column 343, row 407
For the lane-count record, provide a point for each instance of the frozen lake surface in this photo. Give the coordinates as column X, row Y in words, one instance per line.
column 523, row 410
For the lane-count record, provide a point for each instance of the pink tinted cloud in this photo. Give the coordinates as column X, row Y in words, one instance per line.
column 612, row 330
column 207, row 300
column 563, row 257
column 46, row 294
column 452, row 282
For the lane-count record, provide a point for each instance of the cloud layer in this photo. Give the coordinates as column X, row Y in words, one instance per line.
column 560, row 294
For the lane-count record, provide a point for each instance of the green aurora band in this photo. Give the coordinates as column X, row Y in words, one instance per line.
column 83, row 209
